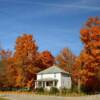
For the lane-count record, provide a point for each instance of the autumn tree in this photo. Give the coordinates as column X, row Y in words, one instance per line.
column 25, row 49
column 29, row 60
column 65, row 59
column 44, row 60
column 7, row 70
column 2, row 75
column 90, row 36
column 77, row 70
column 24, row 58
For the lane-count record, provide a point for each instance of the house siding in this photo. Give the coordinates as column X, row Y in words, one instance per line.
column 66, row 81
column 54, row 76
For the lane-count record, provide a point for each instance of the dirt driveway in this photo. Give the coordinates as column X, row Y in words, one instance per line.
column 31, row 97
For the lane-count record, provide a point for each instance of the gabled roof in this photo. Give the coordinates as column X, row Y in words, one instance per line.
column 53, row 69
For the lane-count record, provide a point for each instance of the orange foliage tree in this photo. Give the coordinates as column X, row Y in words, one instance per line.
column 3, row 79
column 90, row 36
column 29, row 61
column 65, row 59
column 44, row 60
column 9, row 71
column 24, row 58
column 77, row 69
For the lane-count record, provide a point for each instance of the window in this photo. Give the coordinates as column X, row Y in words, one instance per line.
column 49, row 83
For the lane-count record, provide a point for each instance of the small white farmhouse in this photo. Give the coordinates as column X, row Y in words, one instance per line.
column 53, row 77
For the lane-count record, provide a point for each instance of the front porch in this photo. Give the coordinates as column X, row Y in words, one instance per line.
column 46, row 83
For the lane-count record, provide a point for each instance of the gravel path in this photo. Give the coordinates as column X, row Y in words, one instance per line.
column 31, row 97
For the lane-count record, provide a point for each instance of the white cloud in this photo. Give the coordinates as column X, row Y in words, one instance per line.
column 78, row 5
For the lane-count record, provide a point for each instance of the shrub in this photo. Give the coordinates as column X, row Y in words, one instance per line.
column 63, row 91
column 74, row 89
column 53, row 90
column 39, row 90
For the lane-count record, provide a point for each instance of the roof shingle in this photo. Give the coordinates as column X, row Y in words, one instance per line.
column 53, row 69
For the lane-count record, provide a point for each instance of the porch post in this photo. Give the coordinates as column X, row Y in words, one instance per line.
column 45, row 84
column 42, row 84
column 53, row 83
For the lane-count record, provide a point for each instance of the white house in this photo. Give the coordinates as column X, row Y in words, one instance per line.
column 53, row 77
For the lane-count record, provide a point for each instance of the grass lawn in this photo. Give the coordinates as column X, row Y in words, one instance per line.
column 2, row 99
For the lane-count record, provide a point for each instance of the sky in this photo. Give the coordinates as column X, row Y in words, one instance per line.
column 54, row 24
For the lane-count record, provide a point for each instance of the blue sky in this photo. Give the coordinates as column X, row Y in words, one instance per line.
column 55, row 24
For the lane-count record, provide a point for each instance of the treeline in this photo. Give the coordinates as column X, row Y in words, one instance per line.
column 18, row 69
